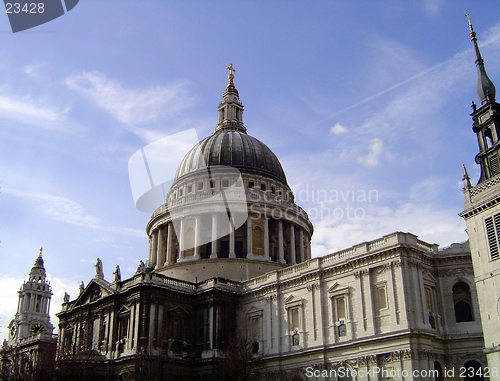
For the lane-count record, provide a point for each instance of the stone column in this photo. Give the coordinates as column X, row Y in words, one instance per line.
column 160, row 255
column 301, row 245
column 370, row 322
column 170, row 254
column 181, row 240
column 249, row 238
column 231, row 241
column 391, row 296
column 214, row 236
column 197, row 232
column 266, row 239
column 292, row 244
column 153, row 249
column 308, row 248
column 281, row 249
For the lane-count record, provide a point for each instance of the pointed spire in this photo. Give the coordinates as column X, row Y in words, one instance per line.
column 485, row 88
column 230, row 109
column 466, row 178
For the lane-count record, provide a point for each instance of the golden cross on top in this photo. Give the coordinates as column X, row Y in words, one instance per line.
column 231, row 69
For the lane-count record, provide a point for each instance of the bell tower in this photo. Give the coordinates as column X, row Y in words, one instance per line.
column 482, row 208
column 32, row 317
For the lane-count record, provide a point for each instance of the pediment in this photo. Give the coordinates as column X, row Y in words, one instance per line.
column 293, row 301
column 254, row 311
column 178, row 311
column 337, row 289
column 429, row 278
column 96, row 289
column 124, row 310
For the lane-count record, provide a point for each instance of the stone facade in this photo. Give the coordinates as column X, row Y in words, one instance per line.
column 385, row 304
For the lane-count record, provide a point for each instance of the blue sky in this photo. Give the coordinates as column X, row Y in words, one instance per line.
column 352, row 96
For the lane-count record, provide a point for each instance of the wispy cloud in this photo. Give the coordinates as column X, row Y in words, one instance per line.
column 131, row 106
column 32, row 111
column 375, row 150
column 70, row 212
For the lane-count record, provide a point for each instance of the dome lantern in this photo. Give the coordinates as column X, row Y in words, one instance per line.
column 231, row 108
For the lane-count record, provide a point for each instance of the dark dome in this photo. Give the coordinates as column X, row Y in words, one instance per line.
column 232, row 149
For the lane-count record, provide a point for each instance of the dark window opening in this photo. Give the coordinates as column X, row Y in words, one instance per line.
column 462, row 302
column 250, row 184
column 342, row 330
column 473, row 371
column 255, row 347
column 263, row 187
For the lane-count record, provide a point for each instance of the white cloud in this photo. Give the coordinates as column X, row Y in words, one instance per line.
column 28, row 110
column 372, row 159
column 132, row 107
column 338, row 129
column 431, row 223
column 68, row 211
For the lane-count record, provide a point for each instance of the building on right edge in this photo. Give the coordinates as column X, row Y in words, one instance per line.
column 482, row 209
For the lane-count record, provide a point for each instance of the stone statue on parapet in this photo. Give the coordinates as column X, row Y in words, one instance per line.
column 141, row 268
column 66, row 297
column 99, row 274
column 82, row 287
column 118, row 275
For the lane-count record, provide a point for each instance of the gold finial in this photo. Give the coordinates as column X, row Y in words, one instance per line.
column 472, row 33
column 230, row 77
column 40, row 252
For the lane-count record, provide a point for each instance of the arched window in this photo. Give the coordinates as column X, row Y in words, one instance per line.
column 489, row 138
column 462, row 302
column 439, row 369
column 473, row 371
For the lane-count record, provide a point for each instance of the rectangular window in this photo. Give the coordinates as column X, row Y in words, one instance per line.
column 238, row 184
column 212, row 184
column 181, row 192
column 273, row 190
column 340, row 308
column 381, row 297
column 200, row 185
column 294, row 319
column 225, row 183
column 263, row 187
column 190, row 188
column 250, row 184
column 492, row 230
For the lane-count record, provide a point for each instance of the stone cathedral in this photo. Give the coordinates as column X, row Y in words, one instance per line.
column 229, row 258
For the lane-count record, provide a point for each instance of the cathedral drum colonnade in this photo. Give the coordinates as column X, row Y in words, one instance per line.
column 229, row 211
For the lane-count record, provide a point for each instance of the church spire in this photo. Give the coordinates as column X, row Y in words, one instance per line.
column 230, row 109
column 485, row 88
column 465, row 178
